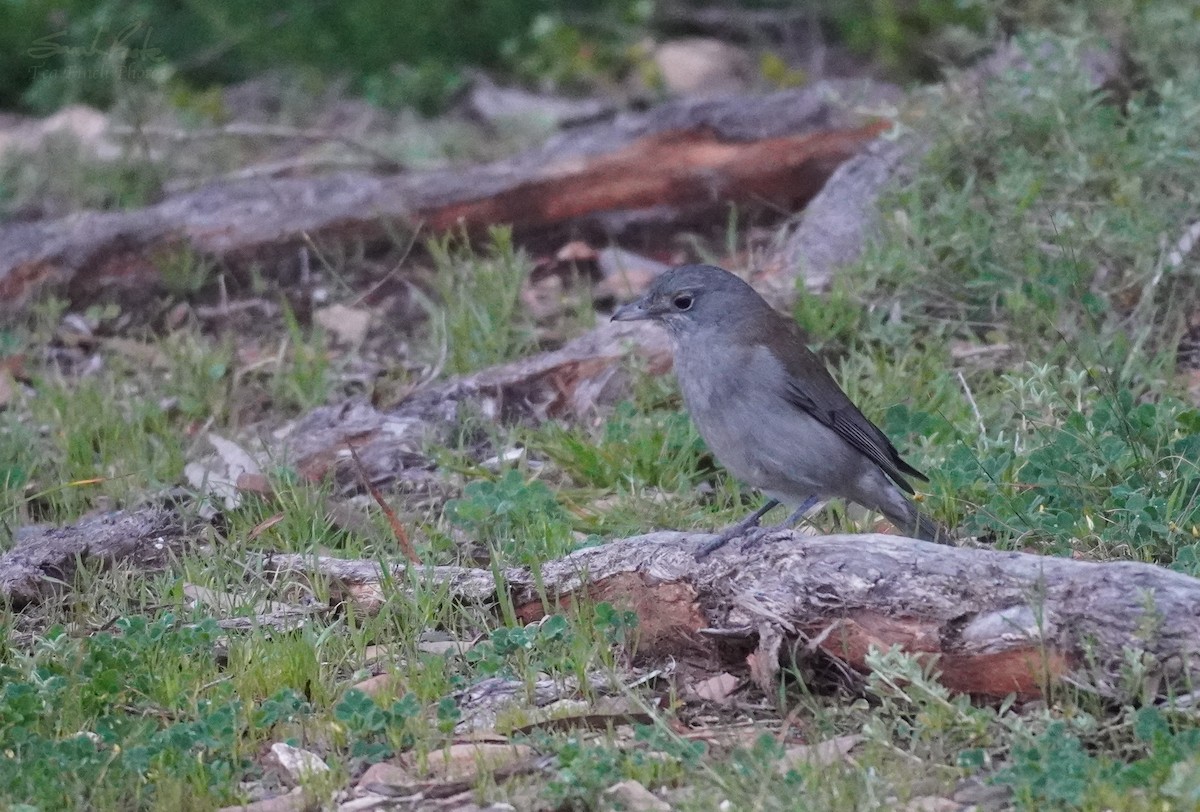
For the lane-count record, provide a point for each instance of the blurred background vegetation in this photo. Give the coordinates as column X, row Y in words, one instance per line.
column 414, row 53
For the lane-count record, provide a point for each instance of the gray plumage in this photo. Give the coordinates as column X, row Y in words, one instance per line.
column 765, row 404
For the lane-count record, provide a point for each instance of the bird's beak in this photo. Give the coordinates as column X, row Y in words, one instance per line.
column 634, row 311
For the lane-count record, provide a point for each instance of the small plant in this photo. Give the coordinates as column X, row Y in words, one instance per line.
column 1084, row 763
column 302, row 381
column 377, row 732
column 184, row 272
column 518, row 517
column 1120, row 478
column 81, row 728
column 482, row 319
column 632, row 448
column 100, row 445
column 201, row 376
column 556, row 644
column 584, row 770
column 427, row 87
column 579, row 53
column 921, row 715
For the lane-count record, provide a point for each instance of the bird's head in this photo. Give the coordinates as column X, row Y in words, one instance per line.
column 693, row 297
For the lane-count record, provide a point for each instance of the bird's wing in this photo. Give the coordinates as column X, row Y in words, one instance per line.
column 810, row 387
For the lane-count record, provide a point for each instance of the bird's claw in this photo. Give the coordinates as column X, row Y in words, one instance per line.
column 755, row 536
column 752, row 534
column 710, row 547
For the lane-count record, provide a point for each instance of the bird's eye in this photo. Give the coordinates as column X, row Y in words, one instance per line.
column 683, row 301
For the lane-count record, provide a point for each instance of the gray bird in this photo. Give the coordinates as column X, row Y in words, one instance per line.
column 768, row 408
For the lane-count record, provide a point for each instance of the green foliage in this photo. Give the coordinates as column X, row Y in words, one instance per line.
column 405, row 52
column 1120, row 478
column 518, row 517
column 184, row 272
column 1053, row 769
column 564, row 50
column 1032, row 218
column 100, row 445
column 833, row 319
column 585, row 770
column 631, row 448
column 557, row 644
column 1056, row 770
column 1125, row 474
column 200, row 379
column 377, row 732
column 18, row 460
column 910, row 37
column 427, row 87
column 481, row 316
column 617, row 625
column 918, row 713
column 511, row 650
column 84, row 729
column 302, row 381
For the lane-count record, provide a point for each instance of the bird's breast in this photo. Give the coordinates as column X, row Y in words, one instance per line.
column 729, row 397
column 734, row 396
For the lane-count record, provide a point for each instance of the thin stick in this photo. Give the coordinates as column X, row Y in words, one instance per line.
column 406, row 545
column 971, row 400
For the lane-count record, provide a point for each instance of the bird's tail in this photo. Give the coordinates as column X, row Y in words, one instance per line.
column 912, row 522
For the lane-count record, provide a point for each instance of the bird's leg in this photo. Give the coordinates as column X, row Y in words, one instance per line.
column 796, row 516
column 735, row 530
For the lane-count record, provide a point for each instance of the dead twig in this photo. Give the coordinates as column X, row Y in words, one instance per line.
column 401, row 534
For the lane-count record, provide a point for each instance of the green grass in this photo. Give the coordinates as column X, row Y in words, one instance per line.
column 479, row 316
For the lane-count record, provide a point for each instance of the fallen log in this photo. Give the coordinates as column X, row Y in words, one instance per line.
column 683, row 163
column 999, row 623
column 44, row 558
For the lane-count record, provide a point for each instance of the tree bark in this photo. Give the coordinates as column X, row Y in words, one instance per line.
column 45, row 558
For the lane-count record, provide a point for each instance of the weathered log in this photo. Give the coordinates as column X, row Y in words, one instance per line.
column 683, row 162
column 999, row 623
column 44, row 558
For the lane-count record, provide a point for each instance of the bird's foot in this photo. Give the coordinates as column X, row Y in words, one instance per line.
column 750, row 529
column 720, row 540
column 755, row 536
column 727, row 535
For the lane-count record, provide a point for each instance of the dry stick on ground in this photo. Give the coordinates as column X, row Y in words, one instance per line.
column 45, row 558
column 998, row 622
column 397, row 526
